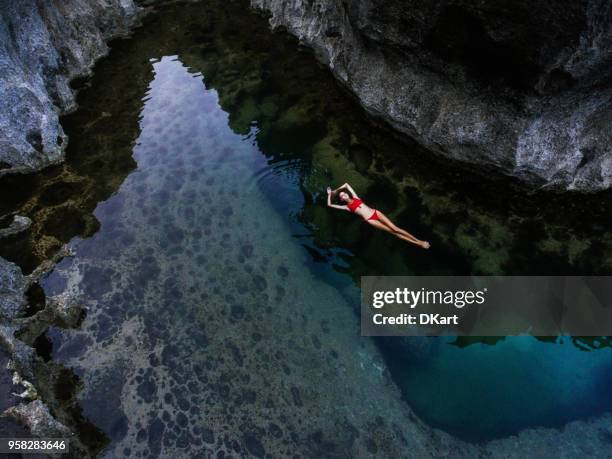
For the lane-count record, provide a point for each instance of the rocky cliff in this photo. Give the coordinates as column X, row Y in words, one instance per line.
column 43, row 45
column 522, row 88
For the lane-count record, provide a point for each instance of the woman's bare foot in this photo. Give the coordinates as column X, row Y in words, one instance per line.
column 425, row 244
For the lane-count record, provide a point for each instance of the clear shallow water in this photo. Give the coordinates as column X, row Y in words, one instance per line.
column 220, row 290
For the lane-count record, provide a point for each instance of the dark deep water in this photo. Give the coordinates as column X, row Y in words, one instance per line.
column 221, row 292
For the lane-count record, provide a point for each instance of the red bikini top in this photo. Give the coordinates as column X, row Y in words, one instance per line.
column 354, row 204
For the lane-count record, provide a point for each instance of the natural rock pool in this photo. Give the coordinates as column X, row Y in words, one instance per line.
column 221, row 293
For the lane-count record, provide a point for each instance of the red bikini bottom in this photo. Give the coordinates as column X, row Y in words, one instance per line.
column 374, row 216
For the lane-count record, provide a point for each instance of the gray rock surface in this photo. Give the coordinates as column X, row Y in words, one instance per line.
column 12, row 290
column 42, row 46
column 523, row 89
column 21, row 357
column 8, row 398
column 35, row 415
column 18, row 225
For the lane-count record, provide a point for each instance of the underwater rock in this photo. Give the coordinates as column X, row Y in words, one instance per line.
column 43, row 45
column 523, row 89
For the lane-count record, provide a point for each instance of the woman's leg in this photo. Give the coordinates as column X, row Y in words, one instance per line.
column 382, row 226
column 385, row 220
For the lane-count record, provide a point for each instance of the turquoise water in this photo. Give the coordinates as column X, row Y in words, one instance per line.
column 490, row 392
column 222, row 294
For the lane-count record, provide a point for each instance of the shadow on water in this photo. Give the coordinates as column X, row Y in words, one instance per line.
column 312, row 135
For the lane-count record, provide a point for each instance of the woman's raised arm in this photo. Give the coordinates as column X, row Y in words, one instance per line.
column 329, row 203
column 350, row 188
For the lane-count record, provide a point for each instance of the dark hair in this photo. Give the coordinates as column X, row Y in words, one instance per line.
column 336, row 195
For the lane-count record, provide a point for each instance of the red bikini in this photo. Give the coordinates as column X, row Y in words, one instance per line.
column 354, row 205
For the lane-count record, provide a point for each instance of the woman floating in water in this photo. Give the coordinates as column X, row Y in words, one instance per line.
column 372, row 216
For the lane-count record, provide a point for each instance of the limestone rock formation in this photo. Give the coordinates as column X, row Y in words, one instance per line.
column 524, row 89
column 35, row 415
column 43, row 45
column 17, row 225
column 12, row 288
